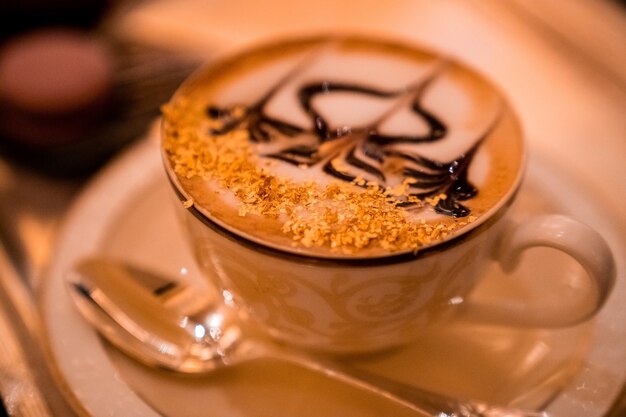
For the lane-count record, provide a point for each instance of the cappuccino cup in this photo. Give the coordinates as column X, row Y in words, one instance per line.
column 348, row 193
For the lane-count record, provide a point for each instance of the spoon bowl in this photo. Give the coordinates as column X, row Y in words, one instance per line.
column 152, row 319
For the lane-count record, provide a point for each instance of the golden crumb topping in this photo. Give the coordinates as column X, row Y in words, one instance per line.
column 344, row 217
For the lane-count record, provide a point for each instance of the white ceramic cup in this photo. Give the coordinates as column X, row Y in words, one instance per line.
column 354, row 305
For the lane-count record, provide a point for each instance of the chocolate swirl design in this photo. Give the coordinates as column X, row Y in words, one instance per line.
column 360, row 154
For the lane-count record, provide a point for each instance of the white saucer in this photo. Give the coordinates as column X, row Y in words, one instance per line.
column 126, row 213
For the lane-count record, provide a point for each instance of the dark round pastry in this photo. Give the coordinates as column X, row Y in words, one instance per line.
column 54, row 84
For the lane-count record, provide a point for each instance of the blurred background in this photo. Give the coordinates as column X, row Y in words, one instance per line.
column 73, row 92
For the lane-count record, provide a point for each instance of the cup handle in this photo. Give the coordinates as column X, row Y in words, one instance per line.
column 563, row 233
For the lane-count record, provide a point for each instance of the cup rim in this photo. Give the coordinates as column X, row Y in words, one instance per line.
column 482, row 223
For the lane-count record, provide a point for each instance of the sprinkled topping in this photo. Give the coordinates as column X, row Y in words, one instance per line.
column 341, row 216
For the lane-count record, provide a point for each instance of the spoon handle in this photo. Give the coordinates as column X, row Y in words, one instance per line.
column 426, row 403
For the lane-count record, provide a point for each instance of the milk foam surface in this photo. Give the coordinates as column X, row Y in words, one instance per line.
column 435, row 139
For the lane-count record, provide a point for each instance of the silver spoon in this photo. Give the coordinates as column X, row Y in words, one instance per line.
column 164, row 323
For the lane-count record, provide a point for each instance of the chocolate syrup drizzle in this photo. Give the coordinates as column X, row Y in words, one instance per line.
column 429, row 177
